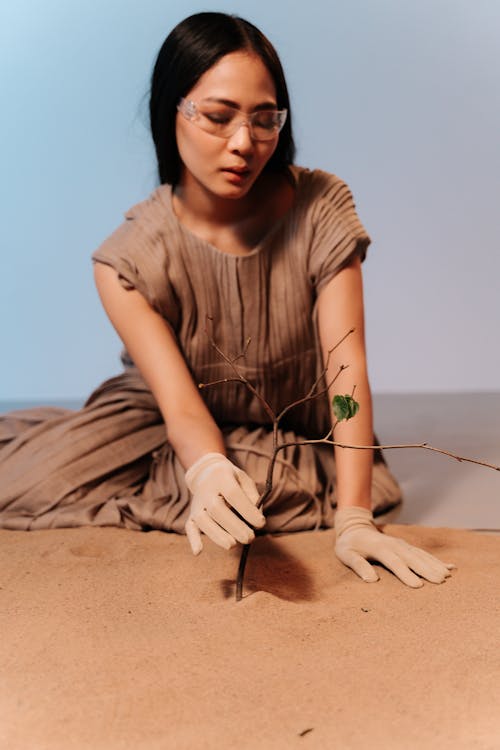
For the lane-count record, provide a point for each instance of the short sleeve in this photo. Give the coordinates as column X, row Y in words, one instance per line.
column 338, row 234
column 137, row 251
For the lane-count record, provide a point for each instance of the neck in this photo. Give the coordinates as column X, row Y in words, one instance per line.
column 192, row 200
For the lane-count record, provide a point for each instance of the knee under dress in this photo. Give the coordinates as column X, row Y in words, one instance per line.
column 110, row 463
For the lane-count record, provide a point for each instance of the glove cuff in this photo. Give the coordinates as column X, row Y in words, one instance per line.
column 195, row 470
column 347, row 518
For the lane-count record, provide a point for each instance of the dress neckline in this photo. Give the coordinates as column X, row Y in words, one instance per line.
column 295, row 174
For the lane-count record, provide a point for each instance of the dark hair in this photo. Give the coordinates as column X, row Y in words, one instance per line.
column 192, row 48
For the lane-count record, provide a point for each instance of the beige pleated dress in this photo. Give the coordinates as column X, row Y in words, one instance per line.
column 110, row 463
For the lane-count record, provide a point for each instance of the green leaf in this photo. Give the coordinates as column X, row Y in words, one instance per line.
column 344, row 407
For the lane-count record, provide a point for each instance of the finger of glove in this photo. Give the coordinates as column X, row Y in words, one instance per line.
column 440, row 565
column 194, row 536
column 397, row 565
column 358, row 564
column 425, row 564
column 248, row 486
column 234, row 495
column 421, row 561
column 223, row 515
column 214, row 531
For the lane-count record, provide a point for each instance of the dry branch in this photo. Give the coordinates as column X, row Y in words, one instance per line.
column 316, row 390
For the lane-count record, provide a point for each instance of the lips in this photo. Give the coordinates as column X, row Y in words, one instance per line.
column 237, row 170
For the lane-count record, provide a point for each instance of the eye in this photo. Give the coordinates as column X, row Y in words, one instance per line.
column 268, row 120
column 218, row 117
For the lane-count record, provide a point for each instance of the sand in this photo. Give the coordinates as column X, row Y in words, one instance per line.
column 122, row 640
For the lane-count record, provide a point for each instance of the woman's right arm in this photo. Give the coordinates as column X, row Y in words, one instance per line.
column 149, row 340
column 194, row 435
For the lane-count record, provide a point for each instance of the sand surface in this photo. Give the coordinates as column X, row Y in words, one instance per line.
column 121, row 640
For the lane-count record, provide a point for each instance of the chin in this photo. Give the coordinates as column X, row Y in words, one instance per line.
column 234, row 192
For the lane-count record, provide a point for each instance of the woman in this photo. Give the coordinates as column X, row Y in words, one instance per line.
column 238, row 251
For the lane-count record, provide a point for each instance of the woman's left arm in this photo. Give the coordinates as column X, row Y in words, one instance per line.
column 340, row 308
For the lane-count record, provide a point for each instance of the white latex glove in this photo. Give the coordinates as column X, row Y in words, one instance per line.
column 216, row 483
column 359, row 540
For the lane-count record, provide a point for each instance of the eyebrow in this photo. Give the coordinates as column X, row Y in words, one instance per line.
column 230, row 103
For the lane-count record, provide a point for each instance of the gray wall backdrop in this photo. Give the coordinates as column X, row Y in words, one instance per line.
column 398, row 97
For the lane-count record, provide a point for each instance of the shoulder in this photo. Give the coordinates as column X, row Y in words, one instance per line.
column 145, row 224
column 323, row 197
column 153, row 214
column 142, row 234
column 139, row 252
column 337, row 234
column 319, row 189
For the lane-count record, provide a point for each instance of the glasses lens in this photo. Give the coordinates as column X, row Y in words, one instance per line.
column 266, row 124
column 217, row 119
column 223, row 120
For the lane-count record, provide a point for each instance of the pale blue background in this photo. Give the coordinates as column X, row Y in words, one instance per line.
column 399, row 97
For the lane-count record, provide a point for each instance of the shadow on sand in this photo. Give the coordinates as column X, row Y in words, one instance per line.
column 271, row 568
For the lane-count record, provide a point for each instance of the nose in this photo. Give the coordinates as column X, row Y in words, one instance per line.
column 241, row 140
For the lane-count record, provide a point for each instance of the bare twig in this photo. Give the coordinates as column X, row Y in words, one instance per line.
column 238, row 374
column 285, row 463
column 218, row 382
column 313, row 393
column 388, row 447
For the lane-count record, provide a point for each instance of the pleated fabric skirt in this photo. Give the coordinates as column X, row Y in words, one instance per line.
column 110, row 464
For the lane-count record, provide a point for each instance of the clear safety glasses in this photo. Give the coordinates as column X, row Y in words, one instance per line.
column 223, row 121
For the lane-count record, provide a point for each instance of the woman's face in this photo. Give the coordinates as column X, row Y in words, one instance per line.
column 227, row 168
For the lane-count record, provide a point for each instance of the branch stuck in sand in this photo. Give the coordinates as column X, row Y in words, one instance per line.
column 344, row 408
